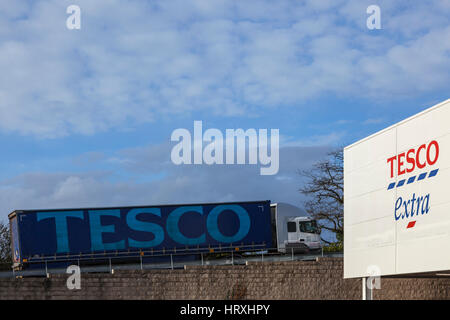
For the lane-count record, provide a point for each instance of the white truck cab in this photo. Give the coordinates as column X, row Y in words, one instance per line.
column 302, row 232
column 296, row 231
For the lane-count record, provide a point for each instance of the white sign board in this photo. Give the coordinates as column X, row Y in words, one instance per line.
column 397, row 198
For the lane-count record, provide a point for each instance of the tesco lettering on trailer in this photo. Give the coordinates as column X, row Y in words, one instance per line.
column 50, row 238
column 397, row 202
column 76, row 231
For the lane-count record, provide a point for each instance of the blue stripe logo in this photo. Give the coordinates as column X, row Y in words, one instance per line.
column 421, row 176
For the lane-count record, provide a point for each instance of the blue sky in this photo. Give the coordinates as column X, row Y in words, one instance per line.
column 86, row 115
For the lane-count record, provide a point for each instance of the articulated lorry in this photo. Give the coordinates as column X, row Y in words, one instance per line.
column 149, row 232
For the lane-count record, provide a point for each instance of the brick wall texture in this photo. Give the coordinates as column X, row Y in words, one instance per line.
column 300, row 280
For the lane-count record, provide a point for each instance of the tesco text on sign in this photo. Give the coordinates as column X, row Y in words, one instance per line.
column 409, row 163
column 412, row 157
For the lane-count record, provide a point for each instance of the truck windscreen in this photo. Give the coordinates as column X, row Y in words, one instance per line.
column 308, row 226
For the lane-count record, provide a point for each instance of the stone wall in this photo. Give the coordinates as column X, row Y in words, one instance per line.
column 299, row 280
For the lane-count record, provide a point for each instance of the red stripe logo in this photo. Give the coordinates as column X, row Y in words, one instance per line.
column 411, row 224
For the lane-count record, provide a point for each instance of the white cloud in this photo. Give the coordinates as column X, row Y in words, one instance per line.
column 137, row 61
column 323, row 140
column 373, row 121
column 180, row 184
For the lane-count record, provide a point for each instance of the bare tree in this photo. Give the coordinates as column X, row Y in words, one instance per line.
column 325, row 189
column 5, row 244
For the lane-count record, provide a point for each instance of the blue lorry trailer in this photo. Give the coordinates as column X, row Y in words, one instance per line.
column 144, row 232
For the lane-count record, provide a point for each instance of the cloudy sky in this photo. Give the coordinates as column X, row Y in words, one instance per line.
column 86, row 115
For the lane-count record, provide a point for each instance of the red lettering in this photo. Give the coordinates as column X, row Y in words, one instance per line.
column 436, row 146
column 391, row 161
column 413, row 158
column 410, row 160
column 419, row 165
column 400, row 164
